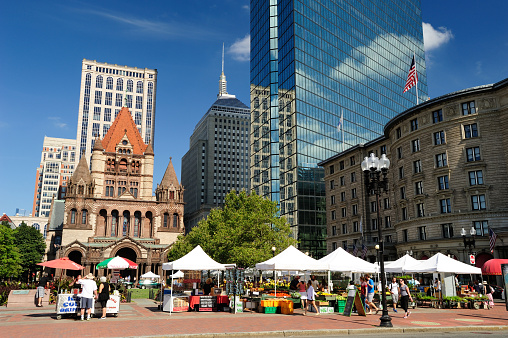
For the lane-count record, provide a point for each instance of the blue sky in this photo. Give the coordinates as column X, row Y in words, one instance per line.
column 44, row 42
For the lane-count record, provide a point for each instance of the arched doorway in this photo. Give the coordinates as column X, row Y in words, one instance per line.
column 481, row 258
column 76, row 256
column 130, row 254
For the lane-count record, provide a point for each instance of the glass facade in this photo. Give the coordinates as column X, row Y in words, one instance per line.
column 311, row 61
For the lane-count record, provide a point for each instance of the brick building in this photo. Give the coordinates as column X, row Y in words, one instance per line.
column 111, row 211
column 448, row 172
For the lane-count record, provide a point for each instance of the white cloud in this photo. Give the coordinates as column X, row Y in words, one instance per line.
column 246, row 7
column 56, row 122
column 240, row 49
column 435, row 38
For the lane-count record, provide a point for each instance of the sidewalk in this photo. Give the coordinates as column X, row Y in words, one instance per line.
column 144, row 319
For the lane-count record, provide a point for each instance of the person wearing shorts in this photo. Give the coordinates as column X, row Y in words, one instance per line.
column 41, row 289
column 88, row 295
column 302, row 289
column 370, row 294
column 394, row 290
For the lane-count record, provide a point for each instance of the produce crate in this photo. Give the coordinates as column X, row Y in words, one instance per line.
column 270, row 309
column 325, row 309
column 322, row 303
column 340, row 309
column 286, row 310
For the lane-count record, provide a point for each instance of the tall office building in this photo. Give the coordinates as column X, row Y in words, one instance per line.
column 105, row 88
column 218, row 159
column 58, row 160
column 311, row 63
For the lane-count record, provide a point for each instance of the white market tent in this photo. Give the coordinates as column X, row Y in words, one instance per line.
column 343, row 261
column 291, row 259
column 150, row 274
column 402, row 264
column 197, row 259
column 178, row 274
column 440, row 263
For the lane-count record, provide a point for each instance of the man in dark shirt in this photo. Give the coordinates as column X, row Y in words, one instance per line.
column 43, row 284
column 294, row 283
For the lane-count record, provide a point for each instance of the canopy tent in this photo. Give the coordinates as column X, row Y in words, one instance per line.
column 150, row 274
column 197, row 259
column 343, row 261
column 492, row 267
column 440, row 263
column 401, row 265
column 291, row 259
column 178, row 274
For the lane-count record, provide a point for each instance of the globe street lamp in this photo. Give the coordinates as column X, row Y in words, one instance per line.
column 376, row 182
column 469, row 243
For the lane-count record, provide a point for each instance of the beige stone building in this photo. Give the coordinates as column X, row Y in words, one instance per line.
column 110, row 210
column 448, row 172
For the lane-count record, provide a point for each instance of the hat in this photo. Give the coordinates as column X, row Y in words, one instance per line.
column 484, row 282
column 89, row 276
column 103, row 279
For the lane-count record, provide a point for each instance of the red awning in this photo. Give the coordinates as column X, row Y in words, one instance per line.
column 492, row 267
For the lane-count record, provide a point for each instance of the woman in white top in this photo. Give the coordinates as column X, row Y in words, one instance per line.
column 311, row 296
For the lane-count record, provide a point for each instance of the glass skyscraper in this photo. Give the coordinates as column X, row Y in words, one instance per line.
column 313, row 61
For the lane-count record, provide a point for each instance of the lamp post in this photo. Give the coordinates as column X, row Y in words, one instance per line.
column 273, row 255
column 375, row 170
column 469, row 243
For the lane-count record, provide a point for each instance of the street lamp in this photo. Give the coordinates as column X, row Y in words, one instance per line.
column 273, row 255
column 469, row 243
column 375, row 170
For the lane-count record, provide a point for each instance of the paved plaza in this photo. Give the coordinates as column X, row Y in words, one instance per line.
column 143, row 318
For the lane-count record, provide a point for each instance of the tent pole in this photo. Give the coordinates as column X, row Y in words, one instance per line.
column 275, row 281
column 171, row 297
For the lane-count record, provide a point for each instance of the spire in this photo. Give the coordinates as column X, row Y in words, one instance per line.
column 98, row 144
column 82, row 172
column 149, row 149
column 170, row 176
column 222, row 80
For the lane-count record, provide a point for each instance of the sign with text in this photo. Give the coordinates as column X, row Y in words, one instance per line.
column 472, row 259
column 358, row 304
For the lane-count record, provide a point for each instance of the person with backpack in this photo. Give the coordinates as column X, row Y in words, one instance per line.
column 394, row 290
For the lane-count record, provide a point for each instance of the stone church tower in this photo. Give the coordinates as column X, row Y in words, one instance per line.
column 111, row 211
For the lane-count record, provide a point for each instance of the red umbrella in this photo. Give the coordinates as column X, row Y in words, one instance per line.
column 62, row 263
column 492, row 267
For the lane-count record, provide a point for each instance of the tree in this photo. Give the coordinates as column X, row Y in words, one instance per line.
column 243, row 232
column 31, row 245
column 9, row 254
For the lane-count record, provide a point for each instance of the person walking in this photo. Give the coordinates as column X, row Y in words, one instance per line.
column 363, row 292
column 303, row 295
column 405, row 296
column 311, row 296
column 88, row 294
column 103, row 295
column 370, row 294
column 489, row 292
column 394, row 290
column 41, row 288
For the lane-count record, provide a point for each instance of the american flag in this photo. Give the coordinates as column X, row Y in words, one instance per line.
column 412, row 77
column 492, row 240
column 364, row 251
column 355, row 250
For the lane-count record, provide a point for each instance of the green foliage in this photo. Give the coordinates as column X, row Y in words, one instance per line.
column 243, row 232
column 10, row 258
column 31, row 245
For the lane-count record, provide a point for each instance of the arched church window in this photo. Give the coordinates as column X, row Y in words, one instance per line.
column 166, row 220
column 175, row 220
column 73, row 216
column 84, row 214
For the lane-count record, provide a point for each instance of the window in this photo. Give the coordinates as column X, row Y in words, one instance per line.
column 447, row 230
column 119, row 85
column 374, row 223
column 422, row 235
column 353, row 193
column 334, row 246
column 139, row 102
column 352, row 160
column 414, row 124
column 401, row 172
column 344, row 213
column 419, row 188
column 355, row 209
column 118, row 100
column 404, row 235
column 344, row 228
column 139, row 87
column 334, row 215
column 73, row 216
column 386, row 203
column 353, row 177
column 175, row 220
column 373, row 206
column 130, row 85
column 478, row 202
column 475, row 177
column 482, row 228
column 83, row 216
column 332, row 184
column 473, row 154
column 166, row 219
column 402, row 192
column 439, row 138
column 332, row 169
column 343, row 196
column 445, row 206
column 437, row 116
column 344, row 245
column 342, row 181
column 441, row 160
column 470, row 130
column 382, row 149
column 388, row 222
column 332, row 199
column 334, row 230
column 388, row 238
column 417, row 166
column 399, row 152
column 356, row 228
column 398, row 133
column 107, row 115
column 468, row 108
column 415, row 145
column 341, row 165
column 98, row 81
column 420, row 210
column 404, row 213
column 442, row 182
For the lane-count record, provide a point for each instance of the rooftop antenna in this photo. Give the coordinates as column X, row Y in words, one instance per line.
column 222, row 80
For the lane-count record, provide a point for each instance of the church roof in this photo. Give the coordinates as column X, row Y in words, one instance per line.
column 82, row 172
column 170, row 176
column 124, row 125
column 98, row 144
column 149, row 149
